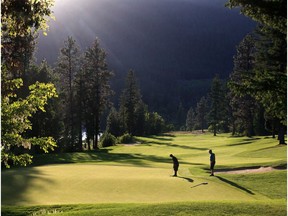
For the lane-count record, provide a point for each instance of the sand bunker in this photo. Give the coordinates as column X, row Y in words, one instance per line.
column 244, row 171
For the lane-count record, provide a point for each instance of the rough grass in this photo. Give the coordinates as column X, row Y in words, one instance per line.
column 142, row 174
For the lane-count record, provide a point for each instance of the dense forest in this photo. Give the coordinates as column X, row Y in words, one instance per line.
column 67, row 106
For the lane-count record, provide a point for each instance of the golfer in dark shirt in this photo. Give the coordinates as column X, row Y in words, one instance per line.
column 175, row 164
column 212, row 162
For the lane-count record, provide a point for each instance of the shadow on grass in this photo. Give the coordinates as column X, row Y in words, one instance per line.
column 16, row 182
column 272, row 147
column 102, row 155
column 203, row 183
column 246, row 138
column 186, row 178
column 235, row 185
column 161, row 138
column 241, row 143
column 150, row 143
column 157, row 140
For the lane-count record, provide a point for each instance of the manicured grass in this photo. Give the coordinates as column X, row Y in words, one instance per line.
column 191, row 149
column 271, row 184
column 90, row 183
column 217, row 208
column 141, row 174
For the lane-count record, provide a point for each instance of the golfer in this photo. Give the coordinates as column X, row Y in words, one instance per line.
column 212, row 162
column 175, row 164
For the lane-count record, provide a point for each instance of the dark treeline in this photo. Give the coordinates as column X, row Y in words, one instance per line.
column 253, row 100
column 83, row 109
column 69, row 105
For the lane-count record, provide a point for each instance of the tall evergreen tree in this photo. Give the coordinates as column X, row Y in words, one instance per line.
column 216, row 110
column 201, row 113
column 97, row 89
column 130, row 101
column 140, row 112
column 242, row 104
column 114, row 123
column 180, row 116
column 269, row 83
column 79, row 107
column 68, row 66
column 190, row 119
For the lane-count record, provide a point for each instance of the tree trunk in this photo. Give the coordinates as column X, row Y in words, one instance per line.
column 80, row 139
column 233, row 128
column 80, row 143
column 202, row 126
column 88, row 142
column 281, row 134
column 71, row 114
column 251, row 131
column 96, row 130
column 273, row 123
column 93, row 143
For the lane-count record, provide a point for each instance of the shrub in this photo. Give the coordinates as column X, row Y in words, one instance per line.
column 126, row 138
column 107, row 139
column 155, row 124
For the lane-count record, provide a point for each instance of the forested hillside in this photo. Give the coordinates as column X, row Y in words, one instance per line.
column 183, row 44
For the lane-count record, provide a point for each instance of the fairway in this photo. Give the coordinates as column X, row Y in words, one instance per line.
column 142, row 173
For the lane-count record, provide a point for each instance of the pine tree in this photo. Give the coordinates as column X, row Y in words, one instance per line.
column 114, row 123
column 242, row 104
column 190, row 119
column 68, row 66
column 269, row 83
column 79, row 107
column 140, row 112
column 216, row 110
column 97, row 89
column 130, row 100
column 201, row 113
column 180, row 117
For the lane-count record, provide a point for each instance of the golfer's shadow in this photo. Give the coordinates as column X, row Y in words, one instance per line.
column 186, row 178
column 204, row 183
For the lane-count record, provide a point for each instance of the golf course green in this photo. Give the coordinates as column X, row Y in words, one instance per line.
column 136, row 179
